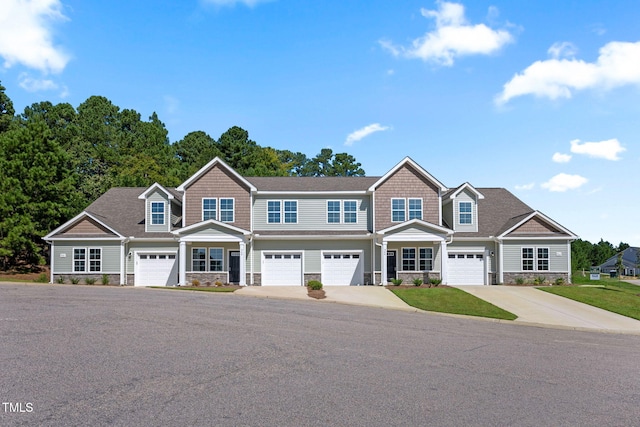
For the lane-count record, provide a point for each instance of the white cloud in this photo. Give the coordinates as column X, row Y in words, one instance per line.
column 562, row 50
column 607, row 150
column 249, row 3
column 364, row 132
column 563, row 182
column 526, row 186
column 31, row 84
column 453, row 37
column 617, row 65
column 26, row 36
column 561, row 158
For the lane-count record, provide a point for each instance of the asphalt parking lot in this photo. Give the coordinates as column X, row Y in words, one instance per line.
column 123, row 356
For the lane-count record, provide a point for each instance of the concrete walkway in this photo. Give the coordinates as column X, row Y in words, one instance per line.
column 371, row 296
column 534, row 306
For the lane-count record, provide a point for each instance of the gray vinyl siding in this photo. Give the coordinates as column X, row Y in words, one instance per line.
column 158, row 196
column 149, row 247
column 558, row 254
column 63, row 255
column 312, row 251
column 312, row 214
column 437, row 253
column 465, row 196
column 447, row 214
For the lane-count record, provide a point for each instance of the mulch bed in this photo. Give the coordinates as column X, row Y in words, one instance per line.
column 317, row 294
column 26, row 277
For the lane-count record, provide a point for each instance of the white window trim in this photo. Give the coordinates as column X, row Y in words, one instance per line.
column 87, row 260
column 279, row 211
column 418, row 258
column 415, row 258
column 215, row 217
column 404, row 210
column 233, row 211
column 409, row 209
column 284, row 211
column 164, row 213
column 344, row 211
column 339, row 212
column 208, row 266
column 206, row 259
column 466, row 213
column 535, row 258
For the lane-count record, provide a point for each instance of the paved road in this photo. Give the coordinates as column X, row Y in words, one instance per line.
column 127, row 356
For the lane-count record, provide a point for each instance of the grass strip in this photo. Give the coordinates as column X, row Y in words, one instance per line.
column 451, row 300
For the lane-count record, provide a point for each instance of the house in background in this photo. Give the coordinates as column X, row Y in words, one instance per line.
column 630, row 263
column 221, row 226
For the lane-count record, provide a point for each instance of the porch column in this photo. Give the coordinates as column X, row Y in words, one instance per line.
column 501, row 263
column 123, row 263
column 444, row 259
column 383, row 263
column 182, row 267
column 243, row 264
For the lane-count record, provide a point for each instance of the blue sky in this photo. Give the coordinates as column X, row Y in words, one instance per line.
column 539, row 97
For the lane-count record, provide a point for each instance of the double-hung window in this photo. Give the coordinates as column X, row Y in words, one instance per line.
column 398, row 210
column 226, row 210
column 350, row 211
column 535, row 259
column 274, row 211
column 199, row 259
column 215, row 259
column 543, row 259
column 290, row 211
column 465, row 212
column 79, row 260
column 425, row 259
column 209, row 209
column 157, row 213
column 87, row 260
column 527, row 259
column 95, row 259
column 415, row 209
column 333, row 211
column 408, row 259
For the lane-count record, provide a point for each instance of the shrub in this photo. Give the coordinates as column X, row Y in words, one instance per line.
column 90, row 281
column 435, row 282
column 42, row 278
column 75, row 280
column 195, row 282
column 105, row 279
column 218, row 283
column 417, row 282
column 314, row 285
column 559, row 281
column 60, row 280
column 519, row 281
column 396, row 282
column 539, row 280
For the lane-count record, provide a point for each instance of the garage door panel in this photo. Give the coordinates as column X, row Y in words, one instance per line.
column 342, row 269
column 282, row 269
column 466, row 269
column 156, row 270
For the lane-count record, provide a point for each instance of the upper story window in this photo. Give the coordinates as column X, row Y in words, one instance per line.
column 333, row 211
column 398, row 210
column 157, row 213
column 350, row 211
column 273, row 211
column 290, row 211
column 415, row 209
column 226, row 210
column 209, row 209
column 465, row 212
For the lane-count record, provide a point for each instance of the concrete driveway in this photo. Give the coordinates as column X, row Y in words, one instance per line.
column 538, row 307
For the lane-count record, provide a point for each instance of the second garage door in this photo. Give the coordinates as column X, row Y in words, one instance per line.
column 282, row 269
column 342, row 269
column 466, row 269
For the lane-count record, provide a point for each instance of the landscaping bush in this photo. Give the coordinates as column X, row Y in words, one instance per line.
column 218, row 283
column 105, row 279
column 435, row 282
column 75, row 280
column 417, row 282
column 60, row 280
column 396, row 282
column 539, row 280
column 90, row 281
column 559, row 281
column 195, row 282
column 519, row 281
column 314, row 285
column 42, row 278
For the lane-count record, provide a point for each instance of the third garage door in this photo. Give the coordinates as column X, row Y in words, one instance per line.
column 342, row 268
column 466, row 269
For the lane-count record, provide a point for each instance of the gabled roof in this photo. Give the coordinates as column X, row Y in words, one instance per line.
column 210, row 222
column 304, row 184
column 76, row 219
column 207, row 167
column 419, row 223
column 629, row 259
column 171, row 195
column 454, row 192
column 414, row 165
column 522, row 219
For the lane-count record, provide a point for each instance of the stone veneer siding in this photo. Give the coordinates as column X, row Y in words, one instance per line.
column 529, row 277
column 408, row 276
column 114, row 279
column 212, row 276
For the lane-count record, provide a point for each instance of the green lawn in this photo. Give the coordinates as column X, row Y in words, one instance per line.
column 451, row 300
column 608, row 294
column 199, row 288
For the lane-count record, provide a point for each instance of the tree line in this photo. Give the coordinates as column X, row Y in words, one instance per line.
column 56, row 159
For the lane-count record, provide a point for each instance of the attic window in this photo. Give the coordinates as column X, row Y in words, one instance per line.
column 465, row 212
column 157, row 213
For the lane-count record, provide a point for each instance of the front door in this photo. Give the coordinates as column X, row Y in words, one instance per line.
column 391, row 265
column 234, row 266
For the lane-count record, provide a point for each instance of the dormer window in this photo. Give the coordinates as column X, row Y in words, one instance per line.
column 465, row 212
column 157, row 213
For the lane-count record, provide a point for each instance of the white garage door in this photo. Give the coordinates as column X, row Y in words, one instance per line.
column 342, row 269
column 156, row 269
column 466, row 269
column 282, row 269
